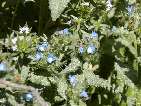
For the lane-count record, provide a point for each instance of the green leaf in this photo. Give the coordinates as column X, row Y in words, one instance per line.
column 122, row 77
column 62, row 87
column 95, row 80
column 24, row 73
column 57, row 7
column 29, row 1
column 81, row 103
column 39, row 79
column 72, row 103
column 72, row 67
column 128, row 44
column 132, row 1
column 111, row 13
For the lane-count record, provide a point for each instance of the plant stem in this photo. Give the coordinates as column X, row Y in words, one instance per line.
column 14, row 14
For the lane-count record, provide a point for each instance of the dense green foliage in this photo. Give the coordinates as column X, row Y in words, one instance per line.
column 70, row 53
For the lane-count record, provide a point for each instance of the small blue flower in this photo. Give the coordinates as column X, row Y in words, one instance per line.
column 94, row 34
column 73, row 80
column 81, row 49
column 43, row 46
column 28, row 97
column 3, row 67
column 84, row 94
column 66, row 31
column 91, row 49
column 38, row 56
column 114, row 28
column 51, row 58
column 130, row 9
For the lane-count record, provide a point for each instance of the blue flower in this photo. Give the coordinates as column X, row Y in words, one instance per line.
column 3, row 67
column 38, row 56
column 28, row 97
column 51, row 58
column 130, row 9
column 43, row 46
column 81, row 49
column 84, row 94
column 73, row 80
column 94, row 34
column 114, row 28
column 66, row 31
column 91, row 49
column 109, row 5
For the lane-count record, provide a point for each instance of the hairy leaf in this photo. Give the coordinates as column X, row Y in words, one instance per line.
column 57, row 7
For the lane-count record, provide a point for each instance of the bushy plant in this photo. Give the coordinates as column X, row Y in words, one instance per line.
column 70, row 53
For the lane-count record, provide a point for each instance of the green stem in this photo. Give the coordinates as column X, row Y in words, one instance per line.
column 14, row 14
column 40, row 18
column 44, row 16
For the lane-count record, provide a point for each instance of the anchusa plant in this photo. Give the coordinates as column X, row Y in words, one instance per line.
column 70, row 53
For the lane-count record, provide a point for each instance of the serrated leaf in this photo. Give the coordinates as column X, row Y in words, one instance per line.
column 94, row 80
column 122, row 76
column 75, row 63
column 128, row 45
column 62, row 87
column 39, row 79
column 111, row 13
column 24, row 73
column 57, row 7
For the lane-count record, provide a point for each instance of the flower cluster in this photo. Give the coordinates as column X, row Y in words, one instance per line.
column 42, row 47
column 90, row 49
column 73, row 81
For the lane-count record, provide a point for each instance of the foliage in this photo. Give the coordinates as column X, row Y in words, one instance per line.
column 70, row 52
